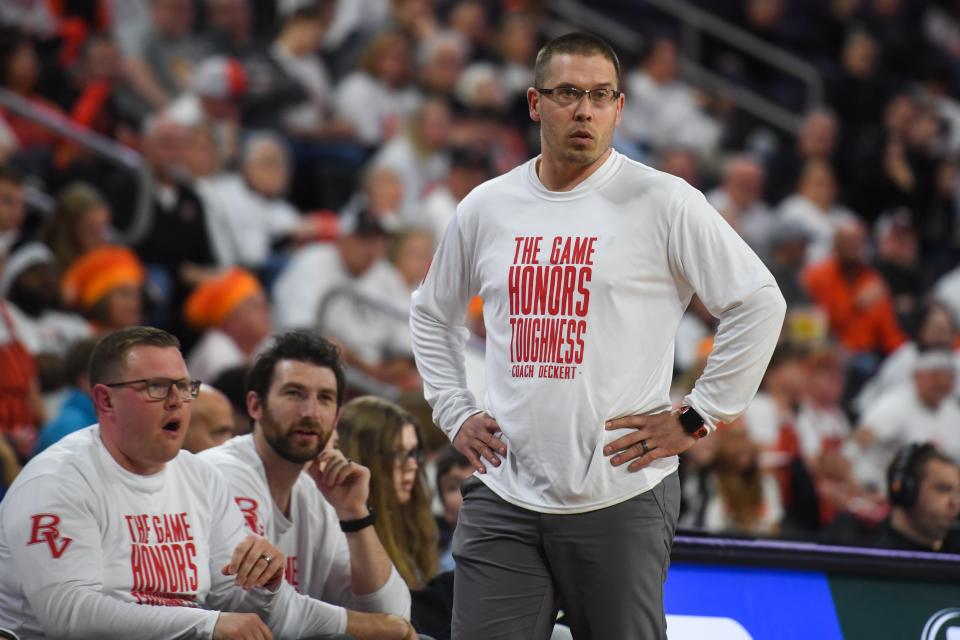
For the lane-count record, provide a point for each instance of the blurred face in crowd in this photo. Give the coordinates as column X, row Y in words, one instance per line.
column 736, row 453
column 211, row 423
column 450, row 496
column 12, row 208
column 743, row 181
column 413, row 256
column 172, row 18
column 300, row 410
column 683, row 164
column 518, row 40
column 937, row 329
column 938, row 499
column 662, row 62
column 393, row 63
column 934, row 386
column 23, row 69
column 817, row 184
column 899, row 113
column 141, row 432
column 825, row 384
column 102, row 60
column 266, row 169
column 200, row 156
column 860, row 55
column 249, row 324
column 121, row 307
column 433, row 125
column 442, row 69
column 764, row 14
column 850, row 244
column 36, row 289
column 469, row 17
column 164, row 147
column 582, row 132
column 93, row 228
column 304, row 34
column 818, row 137
column 360, row 252
column 384, row 190
column 231, row 17
column 406, row 463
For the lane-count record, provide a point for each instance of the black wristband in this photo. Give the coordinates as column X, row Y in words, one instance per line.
column 692, row 422
column 349, row 526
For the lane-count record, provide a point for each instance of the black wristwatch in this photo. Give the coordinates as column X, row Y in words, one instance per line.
column 349, row 526
column 692, row 422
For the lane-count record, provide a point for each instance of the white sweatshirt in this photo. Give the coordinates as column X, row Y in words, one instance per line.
column 583, row 292
column 86, row 547
column 318, row 558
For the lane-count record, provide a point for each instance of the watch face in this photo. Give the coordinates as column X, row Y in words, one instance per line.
column 691, row 421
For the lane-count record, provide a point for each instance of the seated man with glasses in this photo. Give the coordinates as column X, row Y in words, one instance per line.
column 307, row 498
column 115, row 533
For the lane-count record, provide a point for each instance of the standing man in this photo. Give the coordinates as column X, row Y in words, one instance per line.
column 309, row 500
column 113, row 532
column 585, row 262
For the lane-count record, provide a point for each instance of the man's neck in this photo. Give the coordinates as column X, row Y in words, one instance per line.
column 900, row 522
column 557, row 175
column 281, row 473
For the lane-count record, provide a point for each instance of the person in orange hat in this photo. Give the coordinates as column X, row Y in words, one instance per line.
column 106, row 285
column 233, row 312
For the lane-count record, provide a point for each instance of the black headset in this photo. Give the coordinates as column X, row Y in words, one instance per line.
column 903, row 482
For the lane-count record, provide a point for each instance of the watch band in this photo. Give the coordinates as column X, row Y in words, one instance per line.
column 692, row 422
column 349, row 526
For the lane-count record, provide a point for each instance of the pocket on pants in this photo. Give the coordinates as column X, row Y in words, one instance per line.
column 469, row 485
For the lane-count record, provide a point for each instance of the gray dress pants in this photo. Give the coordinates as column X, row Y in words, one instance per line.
column 516, row 568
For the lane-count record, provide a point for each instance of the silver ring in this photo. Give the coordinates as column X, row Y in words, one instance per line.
column 264, row 556
column 643, row 445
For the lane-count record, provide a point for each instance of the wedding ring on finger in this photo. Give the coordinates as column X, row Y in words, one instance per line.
column 643, row 445
column 264, row 556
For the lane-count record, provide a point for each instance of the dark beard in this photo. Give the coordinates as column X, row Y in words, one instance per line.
column 281, row 443
column 32, row 302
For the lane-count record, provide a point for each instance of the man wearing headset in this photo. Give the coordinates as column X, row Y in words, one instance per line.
column 924, row 490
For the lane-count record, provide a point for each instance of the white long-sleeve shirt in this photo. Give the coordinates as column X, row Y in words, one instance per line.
column 317, row 555
column 91, row 550
column 583, row 291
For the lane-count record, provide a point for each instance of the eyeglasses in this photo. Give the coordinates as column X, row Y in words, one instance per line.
column 401, row 458
column 159, row 388
column 566, row 96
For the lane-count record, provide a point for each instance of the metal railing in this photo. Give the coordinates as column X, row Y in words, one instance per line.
column 694, row 23
column 122, row 156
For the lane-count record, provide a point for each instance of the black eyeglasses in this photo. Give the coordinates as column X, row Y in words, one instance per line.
column 159, row 388
column 566, row 96
column 401, row 458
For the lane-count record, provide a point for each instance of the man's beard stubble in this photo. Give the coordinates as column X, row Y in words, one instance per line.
column 281, row 444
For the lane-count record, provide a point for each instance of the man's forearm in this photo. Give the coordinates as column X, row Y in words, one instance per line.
column 370, row 566
column 377, row 626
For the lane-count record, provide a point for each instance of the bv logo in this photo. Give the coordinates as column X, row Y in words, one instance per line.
column 249, row 509
column 943, row 625
column 45, row 529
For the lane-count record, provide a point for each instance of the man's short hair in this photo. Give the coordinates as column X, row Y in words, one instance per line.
column 107, row 357
column 576, row 43
column 301, row 345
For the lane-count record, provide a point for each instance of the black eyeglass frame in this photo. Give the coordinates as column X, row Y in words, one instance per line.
column 193, row 387
column 580, row 93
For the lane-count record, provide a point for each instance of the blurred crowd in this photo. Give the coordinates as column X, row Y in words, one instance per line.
column 305, row 156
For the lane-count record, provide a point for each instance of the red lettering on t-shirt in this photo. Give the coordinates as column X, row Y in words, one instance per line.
column 46, row 529
column 249, row 508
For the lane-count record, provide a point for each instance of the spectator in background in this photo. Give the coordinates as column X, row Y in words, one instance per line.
column 176, row 245
column 247, row 211
column 441, row 58
column 468, row 169
column 232, row 383
column 681, row 162
column 745, row 499
column 30, row 285
column 898, row 261
column 230, row 27
column 816, row 140
column 814, row 205
column 211, row 422
column 517, row 46
column 921, row 409
column 378, row 98
column 786, row 260
column 12, row 207
column 77, row 410
column 232, row 311
column 662, row 110
column 380, row 435
column 164, row 61
column 923, row 486
column 452, row 469
column 80, row 223
column 106, row 286
column 856, row 91
column 418, row 156
column 937, row 331
column 739, row 199
column 295, row 490
column 19, row 74
column 857, row 303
